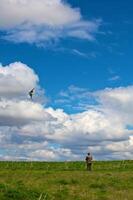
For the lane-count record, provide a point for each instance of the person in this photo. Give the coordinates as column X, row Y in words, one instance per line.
column 89, row 161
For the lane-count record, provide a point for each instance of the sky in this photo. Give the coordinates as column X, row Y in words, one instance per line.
column 77, row 54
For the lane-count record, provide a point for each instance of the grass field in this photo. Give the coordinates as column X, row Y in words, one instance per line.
column 66, row 181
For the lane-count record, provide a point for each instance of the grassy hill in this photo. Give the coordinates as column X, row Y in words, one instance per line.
column 66, row 181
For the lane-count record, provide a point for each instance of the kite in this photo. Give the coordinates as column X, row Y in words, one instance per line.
column 31, row 92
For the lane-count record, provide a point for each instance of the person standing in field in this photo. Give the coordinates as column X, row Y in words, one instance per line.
column 89, row 161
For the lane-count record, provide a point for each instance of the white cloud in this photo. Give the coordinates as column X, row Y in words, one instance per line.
column 117, row 101
column 43, row 20
column 53, row 154
column 55, row 13
column 16, row 113
column 16, row 79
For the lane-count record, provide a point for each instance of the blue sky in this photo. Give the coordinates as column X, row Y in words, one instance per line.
column 79, row 59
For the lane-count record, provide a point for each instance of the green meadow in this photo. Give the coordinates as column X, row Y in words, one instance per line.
column 109, row 180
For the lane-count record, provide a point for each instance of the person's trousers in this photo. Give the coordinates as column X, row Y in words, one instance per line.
column 89, row 166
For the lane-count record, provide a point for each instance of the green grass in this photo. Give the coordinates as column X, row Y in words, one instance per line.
column 66, row 181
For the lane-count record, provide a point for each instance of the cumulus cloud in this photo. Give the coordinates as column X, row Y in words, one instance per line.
column 16, row 113
column 43, row 21
column 30, row 130
column 16, row 79
column 117, row 101
column 53, row 154
column 16, row 108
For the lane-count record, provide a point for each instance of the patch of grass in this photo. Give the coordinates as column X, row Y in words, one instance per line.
column 98, row 186
column 74, row 181
column 63, row 182
column 66, row 181
column 61, row 194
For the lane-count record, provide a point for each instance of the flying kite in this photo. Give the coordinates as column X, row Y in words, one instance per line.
column 31, row 92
